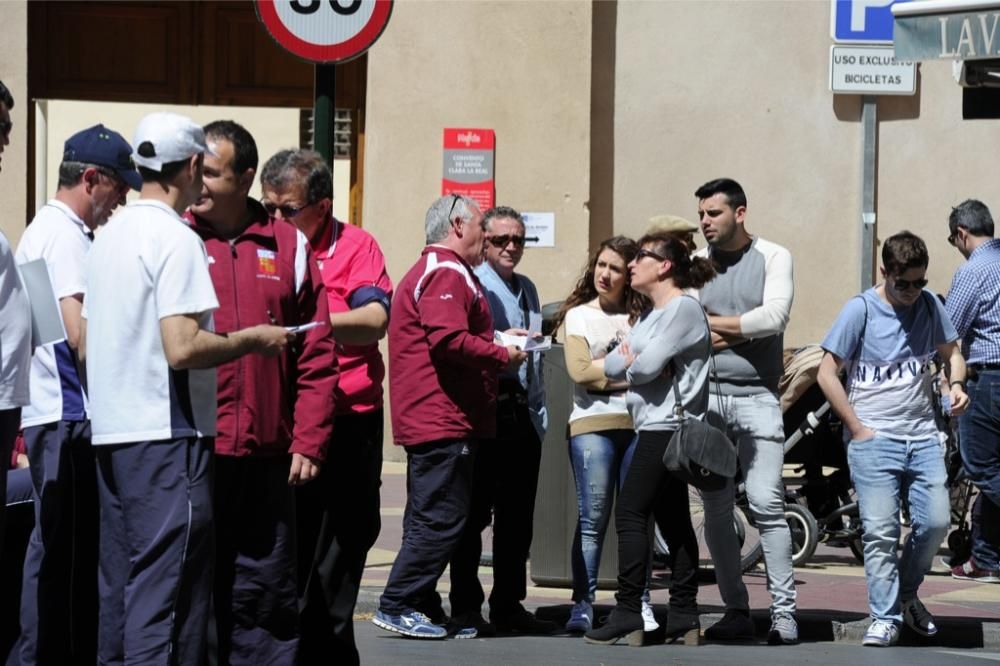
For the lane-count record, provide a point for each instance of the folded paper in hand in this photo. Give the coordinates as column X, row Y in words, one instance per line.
column 524, row 342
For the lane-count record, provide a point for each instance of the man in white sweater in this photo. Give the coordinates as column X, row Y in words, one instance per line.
column 748, row 304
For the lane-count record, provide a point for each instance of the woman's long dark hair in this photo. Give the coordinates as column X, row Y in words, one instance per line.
column 635, row 303
column 687, row 272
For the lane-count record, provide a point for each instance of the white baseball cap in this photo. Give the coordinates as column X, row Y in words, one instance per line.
column 163, row 137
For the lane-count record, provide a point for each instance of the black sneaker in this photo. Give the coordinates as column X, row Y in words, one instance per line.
column 520, row 621
column 918, row 618
column 470, row 625
column 734, row 626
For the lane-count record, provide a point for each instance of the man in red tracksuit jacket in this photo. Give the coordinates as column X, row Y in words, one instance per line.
column 443, row 367
column 268, row 407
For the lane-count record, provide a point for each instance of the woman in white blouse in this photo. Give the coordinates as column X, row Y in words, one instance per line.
column 597, row 316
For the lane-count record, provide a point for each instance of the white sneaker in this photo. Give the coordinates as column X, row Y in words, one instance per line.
column 649, row 622
column 581, row 618
column 881, row 634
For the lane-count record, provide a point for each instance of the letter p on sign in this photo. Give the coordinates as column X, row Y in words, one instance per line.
column 862, row 21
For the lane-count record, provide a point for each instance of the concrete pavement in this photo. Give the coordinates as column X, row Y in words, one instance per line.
column 832, row 597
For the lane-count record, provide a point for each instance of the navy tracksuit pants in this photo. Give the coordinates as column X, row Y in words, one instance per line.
column 255, row 604
column 438, row 496
column 59, row 586
column 156, row 555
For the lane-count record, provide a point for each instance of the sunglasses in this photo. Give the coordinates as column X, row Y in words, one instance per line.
column 5, row 127
column 120, row 185
column 642, row 254
column 903, row 285
column 287, row 212
column 502, row 241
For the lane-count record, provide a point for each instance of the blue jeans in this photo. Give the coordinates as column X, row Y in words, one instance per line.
column 979, row 440
column 600, row 460
column 882, row 469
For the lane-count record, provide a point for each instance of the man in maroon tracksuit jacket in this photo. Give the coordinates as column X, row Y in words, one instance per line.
column 443, row 367
column 268, row 407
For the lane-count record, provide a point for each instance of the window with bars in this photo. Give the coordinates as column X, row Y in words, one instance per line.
column 341, row 131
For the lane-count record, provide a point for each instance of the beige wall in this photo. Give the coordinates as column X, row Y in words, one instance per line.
column 718, row 89
column 741, row 89
column 14, row 73
column 272, row 129
column 520, row 68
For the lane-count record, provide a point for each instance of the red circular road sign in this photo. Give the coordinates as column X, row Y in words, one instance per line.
column 325, row 31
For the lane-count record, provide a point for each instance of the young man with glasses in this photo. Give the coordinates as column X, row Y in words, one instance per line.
column 974, row 306
column 275, row 415
column 338, row 514
column 506, row 468
column 886, row 340
column 59, row 593
column 748, row 305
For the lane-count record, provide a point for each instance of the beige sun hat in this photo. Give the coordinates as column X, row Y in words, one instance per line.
column 670, row 223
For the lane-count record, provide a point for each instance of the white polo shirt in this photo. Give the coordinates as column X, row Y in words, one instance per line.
column 146, row 264
column 58, row 236
column 15, row 333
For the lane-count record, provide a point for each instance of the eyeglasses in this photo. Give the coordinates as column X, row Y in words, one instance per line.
column 287, row 212
column 642, row 254
column 120, row 185
column 6, row 126
column 903, row 285
column 454, row 200
column 952, row 237
column 502, row 241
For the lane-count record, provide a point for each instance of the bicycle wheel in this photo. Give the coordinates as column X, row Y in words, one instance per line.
column 746, row 533
column 804, row 531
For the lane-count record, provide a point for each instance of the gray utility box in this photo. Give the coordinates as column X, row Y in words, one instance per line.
column 555, row 505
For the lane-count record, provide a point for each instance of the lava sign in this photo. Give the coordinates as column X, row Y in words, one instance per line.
column 325, row 31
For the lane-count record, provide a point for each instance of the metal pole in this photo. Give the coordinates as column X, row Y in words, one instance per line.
column 869, row 133
column 323, row 112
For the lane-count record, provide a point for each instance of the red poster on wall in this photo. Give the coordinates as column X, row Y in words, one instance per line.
column 468, row 164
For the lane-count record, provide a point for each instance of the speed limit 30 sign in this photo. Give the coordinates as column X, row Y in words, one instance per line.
column 325, row 31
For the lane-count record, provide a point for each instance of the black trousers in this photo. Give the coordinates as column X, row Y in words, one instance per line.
column 649, row 490
column 255, row 607
column 504, row 484
column 10, row 423
column 338, row 522
column 59, row 586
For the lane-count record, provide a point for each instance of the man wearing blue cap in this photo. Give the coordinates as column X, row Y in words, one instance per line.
column 59, row 598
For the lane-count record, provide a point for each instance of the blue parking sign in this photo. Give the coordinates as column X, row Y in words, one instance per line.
column 862, row 21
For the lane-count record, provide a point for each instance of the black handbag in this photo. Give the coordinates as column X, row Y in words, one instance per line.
column 698, row 452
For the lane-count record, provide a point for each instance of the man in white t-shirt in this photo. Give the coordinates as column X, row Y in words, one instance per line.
column 151, row 352
column 887, row 338
column 15, row 328
column 59, row 592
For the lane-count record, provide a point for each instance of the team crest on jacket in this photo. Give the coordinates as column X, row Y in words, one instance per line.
column 267, row 264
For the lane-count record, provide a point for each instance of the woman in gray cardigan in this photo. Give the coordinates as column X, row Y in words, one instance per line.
column 670, row 341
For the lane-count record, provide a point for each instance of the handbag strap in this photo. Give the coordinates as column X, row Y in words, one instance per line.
column 678, row 404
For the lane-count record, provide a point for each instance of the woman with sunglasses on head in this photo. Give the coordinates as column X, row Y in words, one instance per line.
column 597, row 316
column 665, row 355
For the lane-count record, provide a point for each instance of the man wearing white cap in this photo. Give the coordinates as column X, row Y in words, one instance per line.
column 151, row 352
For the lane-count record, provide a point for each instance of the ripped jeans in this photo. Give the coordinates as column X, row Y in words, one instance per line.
column 600, row 460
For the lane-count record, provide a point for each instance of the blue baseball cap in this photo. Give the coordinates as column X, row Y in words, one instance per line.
column 101, row 146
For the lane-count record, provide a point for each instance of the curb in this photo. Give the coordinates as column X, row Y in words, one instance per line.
column 814, row 626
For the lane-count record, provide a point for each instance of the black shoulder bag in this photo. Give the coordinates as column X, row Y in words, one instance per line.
column 698, row 452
